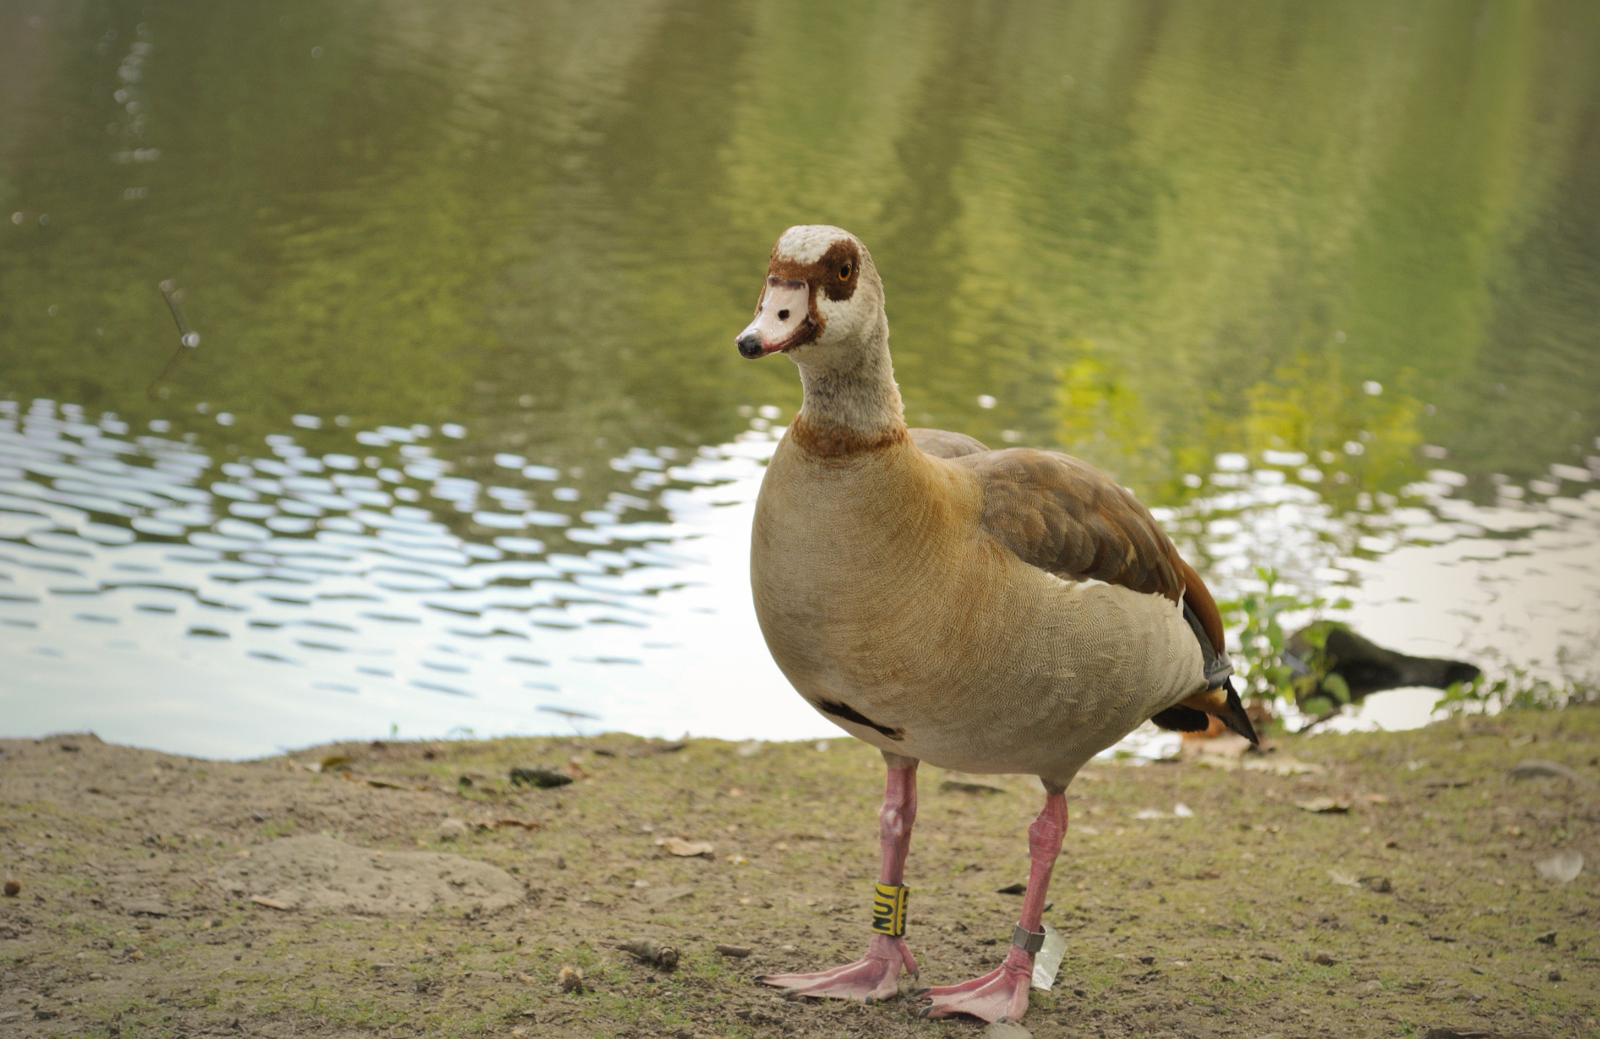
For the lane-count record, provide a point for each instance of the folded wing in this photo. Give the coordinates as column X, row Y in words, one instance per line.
column 1064, row 516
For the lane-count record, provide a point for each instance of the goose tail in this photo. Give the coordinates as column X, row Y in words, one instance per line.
column 1235, row 717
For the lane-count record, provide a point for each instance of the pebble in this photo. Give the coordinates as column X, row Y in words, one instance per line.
column 450, row 829
column 738, row 952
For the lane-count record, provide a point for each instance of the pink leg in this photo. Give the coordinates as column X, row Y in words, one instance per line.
column 877, row 975
column 1002, row 995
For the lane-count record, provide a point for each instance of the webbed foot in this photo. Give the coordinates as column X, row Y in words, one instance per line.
column 1000, row 995
column 874, row 977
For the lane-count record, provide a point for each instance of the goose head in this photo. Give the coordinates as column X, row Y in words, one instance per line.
column 822, row 301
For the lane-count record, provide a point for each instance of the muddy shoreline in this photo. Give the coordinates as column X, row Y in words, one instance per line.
column 412, row 889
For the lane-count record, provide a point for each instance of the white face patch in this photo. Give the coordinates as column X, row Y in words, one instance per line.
column 841, row 318
column 807, row 242
column 782, row 315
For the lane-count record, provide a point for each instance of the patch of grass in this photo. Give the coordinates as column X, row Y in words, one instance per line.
column 274, row 828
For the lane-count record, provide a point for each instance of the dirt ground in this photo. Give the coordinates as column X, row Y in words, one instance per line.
column 412, row 890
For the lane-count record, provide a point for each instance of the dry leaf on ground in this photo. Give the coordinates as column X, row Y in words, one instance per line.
column 686, row 849
column 1563, row 867
column 1280, row 766
column 1534, row 768
column 1324, row 804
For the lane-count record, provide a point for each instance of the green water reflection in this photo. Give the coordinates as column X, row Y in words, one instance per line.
column 1150, row 232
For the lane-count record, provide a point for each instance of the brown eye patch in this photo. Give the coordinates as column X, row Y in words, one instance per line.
column 841, row 269
column 834, row 274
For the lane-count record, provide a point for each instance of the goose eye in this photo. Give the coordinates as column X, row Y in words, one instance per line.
column 844, row 273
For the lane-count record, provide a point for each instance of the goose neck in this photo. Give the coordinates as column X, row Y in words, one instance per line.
column 851, row 404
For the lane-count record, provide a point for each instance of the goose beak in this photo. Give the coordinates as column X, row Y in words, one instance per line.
column 782, row 319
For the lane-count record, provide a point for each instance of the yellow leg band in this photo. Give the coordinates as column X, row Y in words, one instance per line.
column 889, row 909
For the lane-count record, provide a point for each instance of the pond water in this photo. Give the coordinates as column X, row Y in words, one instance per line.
column 368, row 368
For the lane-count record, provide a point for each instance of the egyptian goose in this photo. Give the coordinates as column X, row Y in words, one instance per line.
column 987, row 611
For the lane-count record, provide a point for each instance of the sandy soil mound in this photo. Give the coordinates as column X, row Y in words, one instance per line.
column 318, row 872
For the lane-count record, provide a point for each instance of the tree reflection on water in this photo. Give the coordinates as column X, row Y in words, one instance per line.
column 1350, row 248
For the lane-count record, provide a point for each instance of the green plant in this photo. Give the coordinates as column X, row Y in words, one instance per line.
column 1319, row 691
column 1516, row 690
column 1259, row 657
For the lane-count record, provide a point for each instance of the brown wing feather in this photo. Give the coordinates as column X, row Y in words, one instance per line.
column 1198, row 596
column 1063, row 515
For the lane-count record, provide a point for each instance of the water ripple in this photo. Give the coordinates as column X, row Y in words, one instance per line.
column 295, row 571
column 138, row 570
